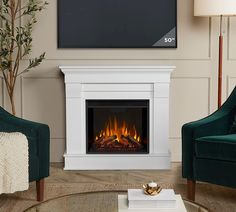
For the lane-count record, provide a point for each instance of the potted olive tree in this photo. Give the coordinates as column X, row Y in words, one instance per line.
column 16, row 40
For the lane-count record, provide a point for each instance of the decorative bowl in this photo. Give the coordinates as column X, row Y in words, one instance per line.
column 151, row 190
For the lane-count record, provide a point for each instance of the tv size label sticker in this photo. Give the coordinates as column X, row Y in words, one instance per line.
column 169, row 40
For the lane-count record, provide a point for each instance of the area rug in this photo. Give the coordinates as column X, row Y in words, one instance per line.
column 216, row 198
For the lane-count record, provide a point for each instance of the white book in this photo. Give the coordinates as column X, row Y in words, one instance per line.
column 165, row 199
column 123, row 206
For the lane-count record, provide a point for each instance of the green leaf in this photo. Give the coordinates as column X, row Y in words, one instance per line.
column 4, row 52
column 33, row 6
column 34, row 63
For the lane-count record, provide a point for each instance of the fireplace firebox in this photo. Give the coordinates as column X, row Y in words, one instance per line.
column 117, row 126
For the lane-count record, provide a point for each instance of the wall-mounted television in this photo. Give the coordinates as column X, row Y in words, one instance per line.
column 117, row 23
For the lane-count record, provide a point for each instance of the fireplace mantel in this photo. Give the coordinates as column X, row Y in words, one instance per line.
column 117, row 82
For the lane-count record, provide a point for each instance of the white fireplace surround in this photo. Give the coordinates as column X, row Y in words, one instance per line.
column 117, row 82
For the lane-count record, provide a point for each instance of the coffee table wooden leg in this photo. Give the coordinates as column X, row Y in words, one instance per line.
column 191, row 184
column 40, row 189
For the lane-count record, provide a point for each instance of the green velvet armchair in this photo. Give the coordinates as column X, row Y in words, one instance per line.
column 38, row 142
column 209, row 148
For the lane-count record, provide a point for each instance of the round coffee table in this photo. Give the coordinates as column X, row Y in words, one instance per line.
column 101, row 201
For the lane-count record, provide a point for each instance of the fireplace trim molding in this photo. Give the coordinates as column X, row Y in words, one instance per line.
column 117, row 82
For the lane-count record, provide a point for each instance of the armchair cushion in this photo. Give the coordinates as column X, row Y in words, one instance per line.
column 219, row 147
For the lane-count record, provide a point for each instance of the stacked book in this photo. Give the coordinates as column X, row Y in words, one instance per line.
column 138, row 200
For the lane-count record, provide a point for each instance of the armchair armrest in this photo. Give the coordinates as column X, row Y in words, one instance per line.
column 13, row 120
column 216, row 124
column 40, row 133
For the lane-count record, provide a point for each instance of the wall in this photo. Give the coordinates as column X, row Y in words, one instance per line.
column 40, row 94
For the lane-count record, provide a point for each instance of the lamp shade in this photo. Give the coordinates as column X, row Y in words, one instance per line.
column 214, row 7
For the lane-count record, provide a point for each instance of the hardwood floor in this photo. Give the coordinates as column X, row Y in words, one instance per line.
column 60, row 182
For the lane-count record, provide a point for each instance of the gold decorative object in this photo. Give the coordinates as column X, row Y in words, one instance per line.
column 151, row 189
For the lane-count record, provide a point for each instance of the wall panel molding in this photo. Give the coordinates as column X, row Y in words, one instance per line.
column 228, row 39
column 187, row 93
column 176, row 149
column 57, row 149
column 231, row 41
column 230, row 84
column 22, row 78
column 209, row 79
column 50, row 90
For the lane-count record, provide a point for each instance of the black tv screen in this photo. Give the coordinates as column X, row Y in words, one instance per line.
column 117, row 24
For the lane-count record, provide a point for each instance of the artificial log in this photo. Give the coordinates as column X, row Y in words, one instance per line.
column 124, row 143
column 106, row 141
column 124, row 140
column 116, row 144
column 111, row 138
column 127, row 140
column 132, row 140
column 100, row 139
column 110, row 142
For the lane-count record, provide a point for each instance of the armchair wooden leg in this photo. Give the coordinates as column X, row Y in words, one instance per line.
column 40, row 189
column 191, row 184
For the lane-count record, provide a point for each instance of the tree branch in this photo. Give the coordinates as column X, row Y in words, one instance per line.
column 17, row 6
column 14, row 37
column 7, row 83
column 17, row 61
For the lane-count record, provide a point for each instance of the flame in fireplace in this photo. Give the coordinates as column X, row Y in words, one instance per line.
column 119, row 132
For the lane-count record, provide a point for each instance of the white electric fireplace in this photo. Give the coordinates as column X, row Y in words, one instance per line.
column 117, row 117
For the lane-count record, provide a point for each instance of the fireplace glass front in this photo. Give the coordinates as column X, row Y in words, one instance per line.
column 117, row 126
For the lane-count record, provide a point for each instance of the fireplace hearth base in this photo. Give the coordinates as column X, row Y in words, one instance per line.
column 142, row 83
column 117, row 162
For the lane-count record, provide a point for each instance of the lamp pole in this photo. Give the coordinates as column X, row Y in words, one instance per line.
column 220, row 63
column 219, row 8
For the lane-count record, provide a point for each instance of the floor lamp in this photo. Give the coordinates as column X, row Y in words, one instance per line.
column 220, row 8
